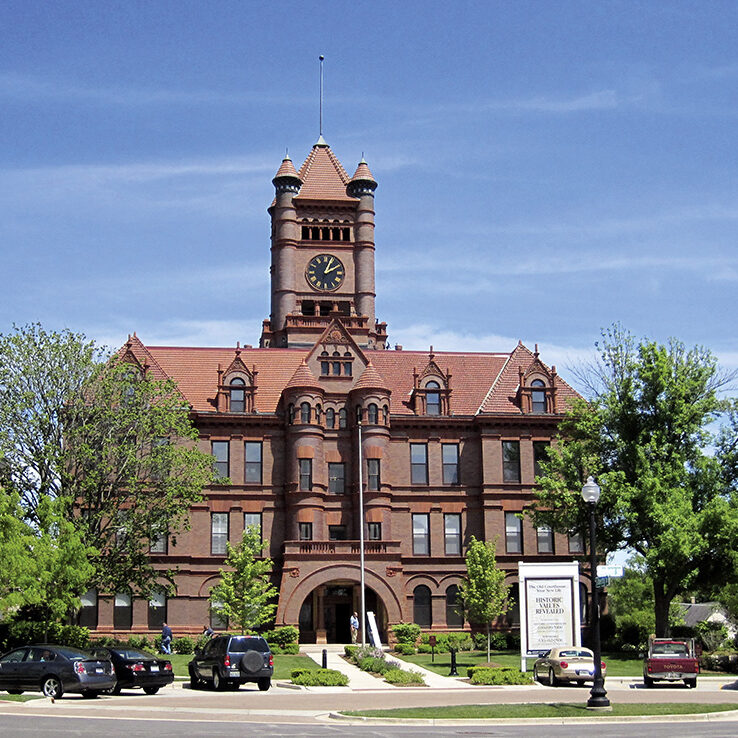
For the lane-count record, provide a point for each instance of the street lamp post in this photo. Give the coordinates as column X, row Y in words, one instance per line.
column 361, row 539
column 598, row 695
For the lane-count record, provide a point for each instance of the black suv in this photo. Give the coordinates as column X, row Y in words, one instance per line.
column 229, row 661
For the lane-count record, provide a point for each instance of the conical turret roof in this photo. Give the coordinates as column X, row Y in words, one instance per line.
column 287, row 169
column 303, row 378
column 371, row 379
column 323, row 176
column 363, row 173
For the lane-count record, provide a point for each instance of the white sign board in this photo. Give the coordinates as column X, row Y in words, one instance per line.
column 609, row 570
column 549, row 608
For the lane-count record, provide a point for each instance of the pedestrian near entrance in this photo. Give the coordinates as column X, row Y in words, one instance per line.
column 166, row 639
column 354, row 627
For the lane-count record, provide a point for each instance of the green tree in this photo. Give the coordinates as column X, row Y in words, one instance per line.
column 644, row 436
column 245, row 592
column 112, row 446
column 484, row 594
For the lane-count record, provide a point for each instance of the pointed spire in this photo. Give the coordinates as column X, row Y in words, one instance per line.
column 321, row 142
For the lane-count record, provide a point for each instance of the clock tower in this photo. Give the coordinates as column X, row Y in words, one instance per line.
column 322, row 265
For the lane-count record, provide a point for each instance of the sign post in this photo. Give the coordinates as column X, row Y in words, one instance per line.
column 549, row 608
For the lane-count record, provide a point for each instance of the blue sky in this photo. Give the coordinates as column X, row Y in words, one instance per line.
column 544, row 168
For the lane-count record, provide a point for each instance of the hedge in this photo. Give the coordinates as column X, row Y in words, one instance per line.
column 499, row 675
column 288, row 648
column 400, row 676
column 405, row 649
column 23, row 632
column 319, row 678
column 282, row 637
column 374, row 665
column 406, row 632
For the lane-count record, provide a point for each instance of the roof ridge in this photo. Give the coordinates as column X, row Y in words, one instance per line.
column 494, row 384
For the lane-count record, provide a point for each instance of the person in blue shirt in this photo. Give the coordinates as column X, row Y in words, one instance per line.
column 354, row 627
column 166, row 639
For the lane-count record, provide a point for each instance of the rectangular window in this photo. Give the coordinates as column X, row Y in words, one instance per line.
column 157, row 610
column 513, row 533
column 336, row 478
column 218, row 621
column 218, row 533
column 253, row 521
column 450, row 454
column 418, row 463
column 374, row 481
column 336, row 532
column 576, row 543
column 452, row 534
column 159, row 544
column 374, row 531
column 122, row 611
column 221, row 452
column 306, row 475
column 511, row 461
column 544, row 536
column 421, row 535
column 252, row 454
column 540, row 454
column 88, row 610
column 306, row 531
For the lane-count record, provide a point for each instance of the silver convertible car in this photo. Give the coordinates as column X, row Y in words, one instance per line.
column 568, row 664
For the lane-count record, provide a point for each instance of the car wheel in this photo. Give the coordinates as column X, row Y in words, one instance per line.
column 691, row 683
column 264, row 683
column 151, row 690
column 116, row 689
column 90, row 694
column 647, row 681
column 195, row 681
column 581, row 682
column 52, row 687
column 218, row 682
column 552, row 679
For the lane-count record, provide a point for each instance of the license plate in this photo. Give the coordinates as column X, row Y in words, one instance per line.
column 584, row 671
column 155, row 667
column 234, row 673
column 672, row 675
column 99, row 671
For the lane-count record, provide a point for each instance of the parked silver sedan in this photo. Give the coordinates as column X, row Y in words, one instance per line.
column 567, row 664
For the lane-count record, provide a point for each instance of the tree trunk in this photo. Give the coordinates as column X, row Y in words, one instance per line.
column 489, row 649
column 661, row 602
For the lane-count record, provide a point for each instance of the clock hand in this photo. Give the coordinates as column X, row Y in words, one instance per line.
column 333, row 268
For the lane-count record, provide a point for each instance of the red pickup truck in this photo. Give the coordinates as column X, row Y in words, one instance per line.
column 671, row 660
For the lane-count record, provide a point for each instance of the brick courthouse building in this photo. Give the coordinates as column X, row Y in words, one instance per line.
column 451, row 440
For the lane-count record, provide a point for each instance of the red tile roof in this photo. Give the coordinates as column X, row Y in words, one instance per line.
column 287, row 169
column 480, row 382
column 323, row 176
column 363, row 173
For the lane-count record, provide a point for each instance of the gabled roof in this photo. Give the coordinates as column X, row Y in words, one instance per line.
column 323, row 176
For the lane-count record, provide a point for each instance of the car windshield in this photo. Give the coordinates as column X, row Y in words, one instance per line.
column 574, row 653
column 126, row 653
column 241, row 645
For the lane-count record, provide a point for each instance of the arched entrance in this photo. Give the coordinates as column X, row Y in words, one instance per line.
column 326, row 612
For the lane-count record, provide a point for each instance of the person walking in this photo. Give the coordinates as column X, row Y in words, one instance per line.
column 208, row 631
column 166, row 639
column 354, row 627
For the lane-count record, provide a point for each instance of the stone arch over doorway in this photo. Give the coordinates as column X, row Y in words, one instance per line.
column 327, row 584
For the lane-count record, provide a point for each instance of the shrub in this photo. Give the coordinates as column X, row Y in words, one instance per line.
column 480, row 641
column 713, row 635
column 282, row 636
column 202, row 639
column 405, row 649
column 683, row 631
column 400, row 676
column 373, row 664
column 406, row 632
column 291, row 648
column 23, row 632
column 513, row 641
column 489, row 665
column 319, row 678
column 361, row 652
column 425, row 648
column 104, row 642
column 350, row 651
column 184, row 645
column 499, row 675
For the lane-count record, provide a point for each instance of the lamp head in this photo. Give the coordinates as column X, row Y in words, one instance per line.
column 591, row 491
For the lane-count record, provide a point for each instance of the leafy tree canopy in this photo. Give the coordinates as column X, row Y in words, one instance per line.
column 644, row 436
column 484, row 594
column 111, row 446
column 245, row 594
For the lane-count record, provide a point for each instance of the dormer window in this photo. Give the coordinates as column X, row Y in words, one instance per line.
column 538, row 396
column 237, row 395
column 432, row 398
column 336, row 364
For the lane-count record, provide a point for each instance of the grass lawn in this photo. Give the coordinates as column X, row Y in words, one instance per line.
column 618, row 664
column 283, row 664
column 476, row 712
column 19, row 697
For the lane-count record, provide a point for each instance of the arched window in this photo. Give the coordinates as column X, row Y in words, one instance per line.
column 330, row 418
column 373, row 414
column 305, row 412
column 237, row 404
column 422, row 606
column 318, row 413
column 432, row 398
column 454, row 616
column 538, row 396
column 342, row 418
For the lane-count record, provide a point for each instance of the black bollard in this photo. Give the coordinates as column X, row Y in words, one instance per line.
column 325, row 658
column 453, row 671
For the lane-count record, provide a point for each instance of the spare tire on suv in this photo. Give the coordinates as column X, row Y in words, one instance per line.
column 231, row 661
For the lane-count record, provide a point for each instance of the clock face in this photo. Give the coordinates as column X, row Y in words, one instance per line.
column 324, row 272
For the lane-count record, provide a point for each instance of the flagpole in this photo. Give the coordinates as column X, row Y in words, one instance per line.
column 361, row 539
